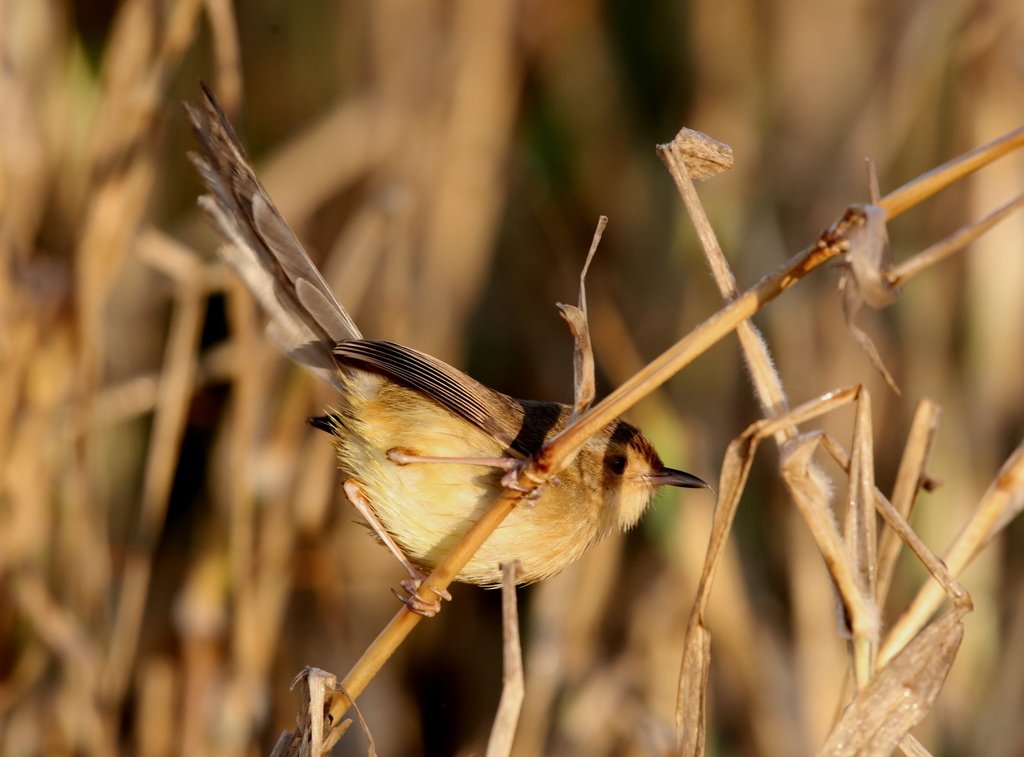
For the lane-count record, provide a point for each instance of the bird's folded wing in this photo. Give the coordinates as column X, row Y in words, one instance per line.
column 496, row 414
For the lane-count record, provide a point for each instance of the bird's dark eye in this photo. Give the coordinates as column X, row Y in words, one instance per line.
column 618, row 464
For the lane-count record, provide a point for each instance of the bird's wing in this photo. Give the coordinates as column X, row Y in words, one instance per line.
column 519, row 425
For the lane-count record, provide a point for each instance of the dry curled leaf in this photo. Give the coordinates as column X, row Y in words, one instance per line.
column 900, row 694
column 868, row 262
column 869, row 258
column 584, row 386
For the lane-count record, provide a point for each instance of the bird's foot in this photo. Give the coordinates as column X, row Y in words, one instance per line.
column 415, row 601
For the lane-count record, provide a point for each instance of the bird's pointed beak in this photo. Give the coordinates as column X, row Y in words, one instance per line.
column 673, row 477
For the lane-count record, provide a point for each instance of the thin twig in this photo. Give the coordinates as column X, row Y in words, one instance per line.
column 951, row 244
column 507, row 718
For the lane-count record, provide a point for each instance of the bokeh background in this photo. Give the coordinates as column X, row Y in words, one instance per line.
column 174, row 544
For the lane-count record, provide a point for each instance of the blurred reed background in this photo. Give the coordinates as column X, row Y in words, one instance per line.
column 174, row 543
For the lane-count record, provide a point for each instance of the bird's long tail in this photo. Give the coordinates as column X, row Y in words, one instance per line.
column 306, row 320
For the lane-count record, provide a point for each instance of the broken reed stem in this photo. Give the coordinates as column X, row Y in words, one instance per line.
column 557, row 453
column 766, row 380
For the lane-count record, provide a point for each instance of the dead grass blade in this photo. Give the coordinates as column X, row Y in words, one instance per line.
column 910, row 478
column 691, row 710
column 584, row 387
column 1003, row 501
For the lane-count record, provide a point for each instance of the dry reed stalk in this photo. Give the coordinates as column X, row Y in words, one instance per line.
column 900, row 695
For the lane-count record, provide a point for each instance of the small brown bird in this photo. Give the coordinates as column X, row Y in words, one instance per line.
column 423, row 447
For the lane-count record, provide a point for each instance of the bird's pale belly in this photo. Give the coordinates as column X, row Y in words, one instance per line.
column 428, row 506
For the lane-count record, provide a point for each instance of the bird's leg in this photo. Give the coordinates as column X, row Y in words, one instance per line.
column 511, row 465
column 401, row 456
column 416, row 602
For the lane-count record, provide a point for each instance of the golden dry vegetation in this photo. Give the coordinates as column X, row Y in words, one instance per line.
column 174, row 543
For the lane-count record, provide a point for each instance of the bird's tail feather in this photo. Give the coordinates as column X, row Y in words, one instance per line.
column 306, row 320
